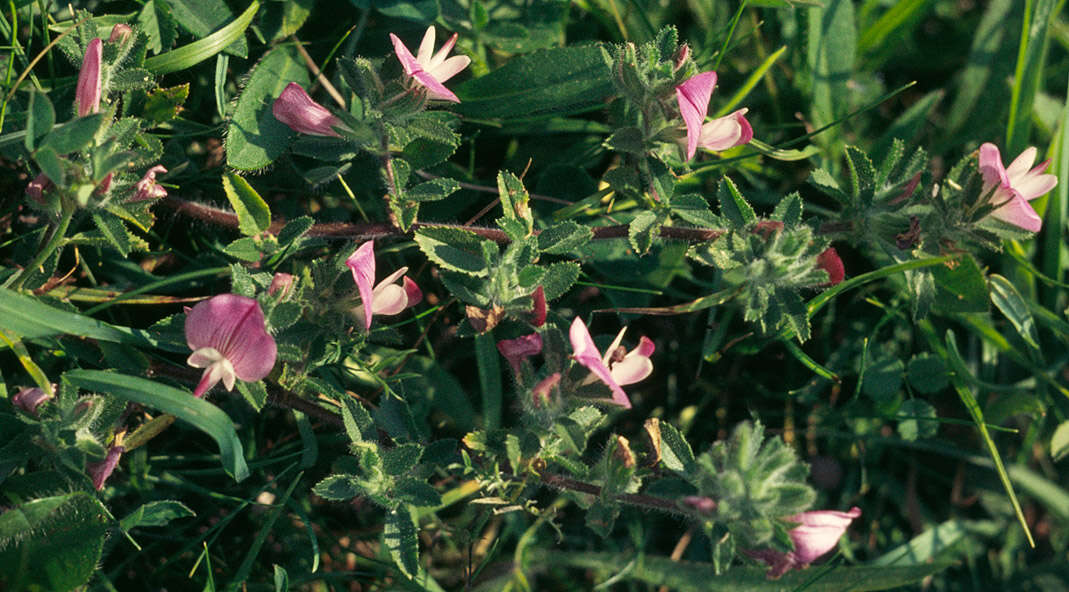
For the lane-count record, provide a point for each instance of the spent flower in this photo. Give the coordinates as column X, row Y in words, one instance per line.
column 515, row 350
column 30, row 398
column 1016, row 185
column 296, row 109
column 431, row 70
column 387, row 297
column 100, row 471
column 229, row 340
column 147, row 188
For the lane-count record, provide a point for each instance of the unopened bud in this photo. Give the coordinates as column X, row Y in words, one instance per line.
column 681, row 56
column 700, row 504
column 281, row 285
column 538, row 307
column 120, row 32
column 541, row 394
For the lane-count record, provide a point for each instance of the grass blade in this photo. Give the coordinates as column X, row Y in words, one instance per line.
column 199, row 413
column 1031, row 53
column 202, row 49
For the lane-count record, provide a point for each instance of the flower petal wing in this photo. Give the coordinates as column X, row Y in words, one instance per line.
column 586, row 353
column 693, row 98
column 362, row 264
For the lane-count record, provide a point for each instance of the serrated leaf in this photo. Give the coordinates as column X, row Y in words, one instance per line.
column 254, row 138
column 561, row 238
column 244, row 249
column 694, row 209
column 454, row 249
column 733, row 205
column 253, row 392
column 112, row 228
column 399, row 533
column 1006, row 297
column 559, row 278
column 159, row 513
column 338, row 488
column 73, row 135
column 514, row 199
column 357, row 421
column 789, row 210
column 432, row 190
column 676, row 453
column 823, row 180
column 52, row 543
column 627, row 139
column 254, row 216
column 643, row 228
column 417, row 493
column 401, row 459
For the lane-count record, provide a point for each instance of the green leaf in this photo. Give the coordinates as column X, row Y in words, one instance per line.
column 830, row 55
column 421, row 11
column 693, row 208
column 356, row 419
column 562, row 238
column 253, row 392
column 917, row 419
column 643, row 228
column 559, row 278
column 40, row 118
column 676, row 453
column 432, row 190
column 1013, row 305
column 202, row 415
column 73, row 135
column 159, row 513
column 52, row 543
column 338, row 488
column 202, row 49
column 201, row 17
column 399, row 533
column 627, row 139
column 254, row 138
column 254, row 216
column 733, row 205
column 489, row 368
column 557, row 80
column 514, row 198
column 927, row 373
column 961, row 288
column 984, row 62
column 401, row 459
column 156, row 21
column 924, row 547
column 51, row 164
column 883, row 378
column 454, row 249
column 282, row 19
column 1059, row 442
column 163, row 104
column 112, row 228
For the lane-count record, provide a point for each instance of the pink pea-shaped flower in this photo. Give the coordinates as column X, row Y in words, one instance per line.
column 229, row 340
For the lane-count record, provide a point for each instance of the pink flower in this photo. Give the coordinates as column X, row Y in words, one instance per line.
column 431, row 71
column 30, row 398
column 87, row 94
column 100, row 471
column 515, row 350
column 816, row 534
column 615, row 368
column 720, row 134
column 120, row 33
column 830, row 262
column 386, row 298
column 229, row 340
column 147, row 188
column 36, row 189
column 303, row 115
column 1015, row 186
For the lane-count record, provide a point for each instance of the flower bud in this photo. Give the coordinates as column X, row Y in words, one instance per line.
column 87, row 94
column 830, row 262
column 281, row 285
column 120, row 32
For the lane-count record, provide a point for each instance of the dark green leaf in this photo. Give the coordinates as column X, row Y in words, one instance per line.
column 338, row 488
column 917, row 419
column 559, row 278
column 454, row 249
column 558, row 80
column 733, row 205
column 399, row 534
column 562, row 238
column 159, row 513
column 112, row 228
column 1009, row 301
column 73, row 135
column 927, row 373
column 39, row 119
column 203, row 17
